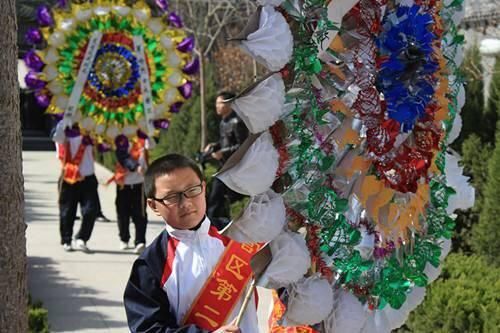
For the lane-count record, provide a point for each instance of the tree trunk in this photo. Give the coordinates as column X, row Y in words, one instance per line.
column 203, row 111
column 13, row 290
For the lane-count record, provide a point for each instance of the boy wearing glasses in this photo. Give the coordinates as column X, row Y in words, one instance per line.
column 190, row 278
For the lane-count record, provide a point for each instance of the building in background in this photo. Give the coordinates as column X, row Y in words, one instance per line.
column 481, row 27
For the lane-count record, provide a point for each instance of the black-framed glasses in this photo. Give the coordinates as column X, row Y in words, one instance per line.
column 174, row 198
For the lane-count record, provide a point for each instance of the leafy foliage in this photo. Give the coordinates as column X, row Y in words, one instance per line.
column 38, row 318
column 183, row 136
column 491, row 112
column 465, row 299
column 472, row 112
column 486, row 233
column 475, row 158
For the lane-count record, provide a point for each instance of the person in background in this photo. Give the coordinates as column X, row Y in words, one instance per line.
column 232, row 133
column 77, row 185
column 100, row 215
column 130, row 201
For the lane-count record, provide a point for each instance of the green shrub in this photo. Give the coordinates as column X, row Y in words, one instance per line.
column 473, row 110
column 238, row 207
column 38, row 318
column 475, row 157
column 184, row 133
column 464, row 299
column 486, row 233
column 492, row 110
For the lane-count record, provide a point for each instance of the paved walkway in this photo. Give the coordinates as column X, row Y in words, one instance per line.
column 82, row 292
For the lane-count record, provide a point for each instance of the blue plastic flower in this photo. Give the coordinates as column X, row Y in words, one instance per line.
column 405, row 76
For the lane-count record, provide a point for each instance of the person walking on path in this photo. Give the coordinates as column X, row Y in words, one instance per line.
column 232, row 133
column 130, row 201
column 77, row 185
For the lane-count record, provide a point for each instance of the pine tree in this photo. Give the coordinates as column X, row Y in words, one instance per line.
column 464, row 299
column 475, row 158
column 486, row 233
column 491, row 113
column 183, row 135
column 472, row 112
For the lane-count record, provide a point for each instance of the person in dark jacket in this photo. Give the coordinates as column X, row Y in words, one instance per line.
column 232, row 133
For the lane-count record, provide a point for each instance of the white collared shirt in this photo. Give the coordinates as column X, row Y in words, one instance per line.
column 196, row 254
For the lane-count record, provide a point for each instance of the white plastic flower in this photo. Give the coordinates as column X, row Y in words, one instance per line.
column 100, row 128
column 88, row 124
column 170, row 95
column 155, row 25
column 263, row 106
column 141, row 15
column 83, row 15
column 61, row 102
column 272, row 44
column 256, row 171
column 129, row 130
column 51, row 56
column 175, row 78
column 67, row 24
column 166, row 42
column 112, row 131
column 121, row 10
column 102, row 10
column 57, row 39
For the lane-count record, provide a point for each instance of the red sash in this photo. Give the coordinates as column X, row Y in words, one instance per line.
column 278, row 312
column 224, row 288
column 71, row 167
column 120, row 171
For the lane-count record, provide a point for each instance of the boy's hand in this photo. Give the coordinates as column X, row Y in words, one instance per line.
column 208, row 147
column 229, row 328
column 217, row 155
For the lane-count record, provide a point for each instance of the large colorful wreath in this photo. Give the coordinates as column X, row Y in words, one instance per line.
column 111, row 68
column 359, row 149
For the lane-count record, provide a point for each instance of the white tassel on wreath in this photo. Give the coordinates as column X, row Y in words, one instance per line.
column 263, row 106
column 263, row 219
column 256, row 171
column 291, row 260
column 310, row 302
column 272, row 43
column 349, row 315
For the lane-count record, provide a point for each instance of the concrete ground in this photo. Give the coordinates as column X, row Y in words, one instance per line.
column 82, row 292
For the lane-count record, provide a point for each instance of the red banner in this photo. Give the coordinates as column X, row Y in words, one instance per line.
column 224, row 287
column 278, row 312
